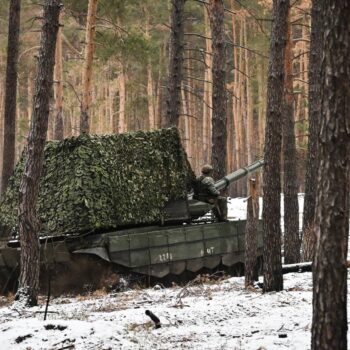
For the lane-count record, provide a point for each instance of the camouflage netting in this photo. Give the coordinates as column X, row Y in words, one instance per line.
column 102, row 182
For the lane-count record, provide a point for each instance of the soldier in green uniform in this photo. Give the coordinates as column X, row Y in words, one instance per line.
column 205, row 191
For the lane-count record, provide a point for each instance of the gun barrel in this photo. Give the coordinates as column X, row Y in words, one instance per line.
column 238, row 174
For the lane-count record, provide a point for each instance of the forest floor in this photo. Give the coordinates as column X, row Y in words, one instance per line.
column 210, row 312
column 207, row 313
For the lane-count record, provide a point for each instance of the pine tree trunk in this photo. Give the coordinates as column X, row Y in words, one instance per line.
column 330, row 325
column 235, row 89
column 243, row 104
column 150, row 98
column 58, row 133
column 9, row 150
column 250, row 117
column 314, row 119
column 87, row 69
column 175, row 63
column 251, row 235
column 239, row 101
column 290, row 187
column 29, row 101
column 207, row 86
column 261, row 117
column 122, row 101
column 150, row 88
column 219, row 133
column 273, row 278
column 29, row 225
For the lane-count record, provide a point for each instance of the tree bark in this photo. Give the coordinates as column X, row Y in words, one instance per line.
column 29, row 188
column 290, row 186
column 314, row 120
column 175, row 64
column 9, row 150
column 219, row 132
column 58, row 131
column 329, row 327
column 122, row 101
column 251, row 235
column 87, row 69
column 250, row 116
column 207, row 98
column 235, row 101
column 273, row 278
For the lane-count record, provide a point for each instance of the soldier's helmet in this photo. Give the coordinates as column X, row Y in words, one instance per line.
column 207, row 169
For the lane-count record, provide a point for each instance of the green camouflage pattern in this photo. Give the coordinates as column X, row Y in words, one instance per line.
column 100, row 183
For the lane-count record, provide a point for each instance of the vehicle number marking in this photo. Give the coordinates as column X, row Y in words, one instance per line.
column 210, row 250
column 165, row 257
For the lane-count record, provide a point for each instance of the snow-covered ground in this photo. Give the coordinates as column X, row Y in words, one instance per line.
column 204, row 315
column 208, row 313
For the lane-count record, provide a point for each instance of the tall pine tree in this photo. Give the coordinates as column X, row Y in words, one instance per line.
column 330, row 325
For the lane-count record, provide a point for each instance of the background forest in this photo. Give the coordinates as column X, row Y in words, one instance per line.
column 130, row 72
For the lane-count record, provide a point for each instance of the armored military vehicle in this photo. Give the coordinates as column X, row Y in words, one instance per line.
column 91, row 186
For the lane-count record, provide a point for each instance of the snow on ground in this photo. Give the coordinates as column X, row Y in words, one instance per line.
column 205, row 314
column 220, row 315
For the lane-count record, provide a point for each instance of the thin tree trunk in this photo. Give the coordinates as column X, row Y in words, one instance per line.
column 29, row 225
column 273, row 278
column 261, row 96
column 175, row 63
column 159, row 89
column 219, row 134
column 150, row 98
column 207, row 86
column 329, row 322
column 150, row 87
column 251, row 235
column 238, row 114
column 9, row 149
column 235, row 100
column 87, row 69
column 30, row 99
column 243, row 105
column 58, row 133
column 122, row 101
column 290, row 186
column 314, row 119
column 250, row 116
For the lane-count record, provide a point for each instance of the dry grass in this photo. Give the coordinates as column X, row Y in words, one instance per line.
column 138, row 327
column 7, row 300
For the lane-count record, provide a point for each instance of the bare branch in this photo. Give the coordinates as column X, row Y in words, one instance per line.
column 301, row 39
column 303, row 81
column 75, row 92
column 196, row 59
column 246, row 48
column 301, row 54
column 70, row 46
column 196, row 95
column 252, row 15
column 206, row 3
column 198, row 35
column 194, row 78
column 303, row 11
column 188, row 115
column 202, row 51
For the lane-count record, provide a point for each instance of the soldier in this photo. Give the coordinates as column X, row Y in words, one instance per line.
column 205, row 191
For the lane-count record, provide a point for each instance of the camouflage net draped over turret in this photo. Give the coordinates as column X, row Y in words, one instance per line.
column 102, row 182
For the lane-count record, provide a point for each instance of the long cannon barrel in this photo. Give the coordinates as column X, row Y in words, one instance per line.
column 238, row 174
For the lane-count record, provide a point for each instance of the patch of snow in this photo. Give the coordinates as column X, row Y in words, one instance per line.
column 211, row 315
column 221, row 315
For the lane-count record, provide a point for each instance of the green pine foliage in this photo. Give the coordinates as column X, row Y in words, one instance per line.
column 101, row 182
